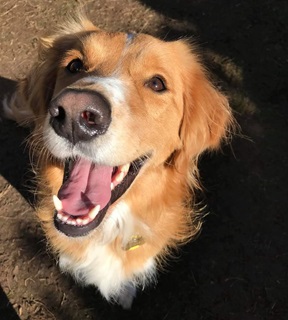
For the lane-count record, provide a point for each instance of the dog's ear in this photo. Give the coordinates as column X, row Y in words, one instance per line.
column 74, row 24
column 28, row 101
column 207, row 117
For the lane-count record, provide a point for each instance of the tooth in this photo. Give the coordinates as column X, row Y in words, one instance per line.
column 64, row 218
column 120, row 176
column 112, row 186
column 93, row 213
column 79, row 221
column 71, row 221
column 60, row 216
column 85, row 221
column 57, row 203
column 125, row 168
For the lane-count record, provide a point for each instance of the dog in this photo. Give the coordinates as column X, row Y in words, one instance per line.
column 119, row 121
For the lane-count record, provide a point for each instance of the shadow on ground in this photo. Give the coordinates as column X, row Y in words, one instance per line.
column 14, row 158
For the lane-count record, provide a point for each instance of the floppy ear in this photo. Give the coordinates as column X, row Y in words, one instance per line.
column 16, row 107
column 29, row 99
column 207, row 117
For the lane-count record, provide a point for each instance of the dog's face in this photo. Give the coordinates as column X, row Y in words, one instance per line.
column 116, row 104
column 116, row 99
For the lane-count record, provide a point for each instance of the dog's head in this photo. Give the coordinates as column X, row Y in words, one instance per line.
column 116, row 108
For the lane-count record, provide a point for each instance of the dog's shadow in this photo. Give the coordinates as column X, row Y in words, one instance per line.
column 14, row 156
column 13, row 166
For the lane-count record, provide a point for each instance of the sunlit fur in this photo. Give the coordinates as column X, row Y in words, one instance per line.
column 173, row 127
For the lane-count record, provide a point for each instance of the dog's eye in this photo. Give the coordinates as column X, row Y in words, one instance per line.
column 156, row 84
column 75, row 66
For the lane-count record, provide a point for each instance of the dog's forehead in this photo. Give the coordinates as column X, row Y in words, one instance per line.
column 112, row 47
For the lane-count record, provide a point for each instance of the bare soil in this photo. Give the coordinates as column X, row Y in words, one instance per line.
column 238, row 268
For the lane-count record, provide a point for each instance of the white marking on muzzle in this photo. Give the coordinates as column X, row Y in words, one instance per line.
column 114, row 87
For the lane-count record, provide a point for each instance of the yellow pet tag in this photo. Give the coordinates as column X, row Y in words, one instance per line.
column 134, row 243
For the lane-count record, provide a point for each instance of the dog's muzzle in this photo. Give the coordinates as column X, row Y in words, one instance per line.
column 79, row 115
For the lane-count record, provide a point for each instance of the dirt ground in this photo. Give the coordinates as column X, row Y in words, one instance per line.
column 238, row 268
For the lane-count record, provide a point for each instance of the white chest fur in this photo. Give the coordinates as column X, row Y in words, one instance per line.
column 102, row 268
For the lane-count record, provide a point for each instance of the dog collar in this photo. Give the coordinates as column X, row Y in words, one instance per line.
column 130, row 37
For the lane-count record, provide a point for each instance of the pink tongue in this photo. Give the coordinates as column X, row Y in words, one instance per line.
column 87, row 187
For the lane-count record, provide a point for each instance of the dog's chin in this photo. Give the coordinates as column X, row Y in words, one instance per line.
column 82, row 203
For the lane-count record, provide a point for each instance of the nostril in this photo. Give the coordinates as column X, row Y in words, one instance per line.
column 61, row 114
column 91, row 118
column 95, row 119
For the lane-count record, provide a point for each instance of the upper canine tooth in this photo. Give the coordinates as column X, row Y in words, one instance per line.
column 57, row 203
column 93, row 213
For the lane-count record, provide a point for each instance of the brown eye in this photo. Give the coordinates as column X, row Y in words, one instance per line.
column 75, row 66
column 156, row 84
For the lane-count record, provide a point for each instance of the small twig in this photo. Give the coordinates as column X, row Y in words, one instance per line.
column 6, row 12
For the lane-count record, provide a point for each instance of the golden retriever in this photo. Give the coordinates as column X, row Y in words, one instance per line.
column 119, row 121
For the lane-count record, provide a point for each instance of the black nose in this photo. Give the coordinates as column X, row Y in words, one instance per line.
column 80, row 115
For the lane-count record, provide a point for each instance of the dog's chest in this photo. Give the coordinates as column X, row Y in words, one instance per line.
column 100, row 268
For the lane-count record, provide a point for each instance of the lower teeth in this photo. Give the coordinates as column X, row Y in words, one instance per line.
column 71, row 220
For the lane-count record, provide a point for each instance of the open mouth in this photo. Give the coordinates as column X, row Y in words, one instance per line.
column 88, row 190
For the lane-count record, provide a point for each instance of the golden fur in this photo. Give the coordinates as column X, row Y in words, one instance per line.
column 174, row 128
